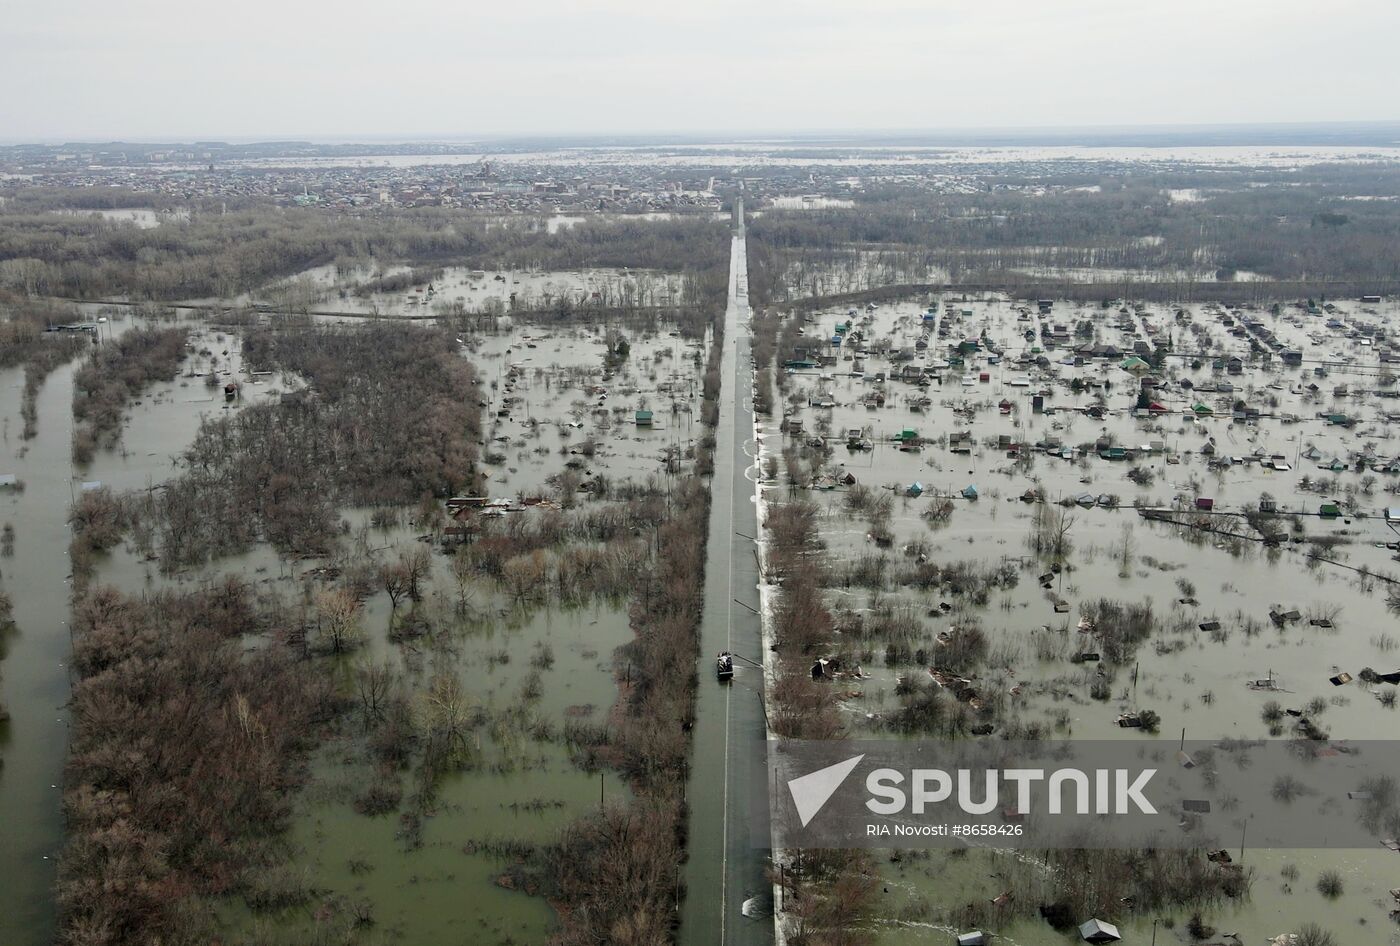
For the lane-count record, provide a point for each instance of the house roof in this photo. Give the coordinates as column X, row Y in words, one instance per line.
column 1099, row 931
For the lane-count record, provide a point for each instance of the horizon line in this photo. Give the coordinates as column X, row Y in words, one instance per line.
column 721, row 136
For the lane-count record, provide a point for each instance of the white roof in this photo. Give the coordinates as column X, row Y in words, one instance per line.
column 1098, row 931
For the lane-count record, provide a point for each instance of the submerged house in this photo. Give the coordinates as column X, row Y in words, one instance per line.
column 1099, row 931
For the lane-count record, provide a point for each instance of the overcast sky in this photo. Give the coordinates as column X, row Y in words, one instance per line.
column 98, row 69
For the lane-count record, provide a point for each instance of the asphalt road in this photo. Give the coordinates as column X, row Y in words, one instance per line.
column 725, row 869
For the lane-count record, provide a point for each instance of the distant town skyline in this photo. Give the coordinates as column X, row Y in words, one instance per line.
column 154, row 70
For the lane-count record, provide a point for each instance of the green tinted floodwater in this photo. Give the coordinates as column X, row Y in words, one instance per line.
column 524, row 789
column 520, row 790
column 34, row 741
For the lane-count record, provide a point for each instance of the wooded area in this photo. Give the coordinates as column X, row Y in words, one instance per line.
column 211, row 254
column 390, row 416
column 1305, row 224
column 184, row 751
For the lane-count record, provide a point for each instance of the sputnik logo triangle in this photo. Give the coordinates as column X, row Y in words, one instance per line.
column 813, row 790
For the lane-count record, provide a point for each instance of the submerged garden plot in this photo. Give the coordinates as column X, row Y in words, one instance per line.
column 993, row 520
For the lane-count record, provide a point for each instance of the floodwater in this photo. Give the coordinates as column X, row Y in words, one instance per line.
column 857, row 270
column 323, row 288
column 812, row 202
column 523, row 787
column 544, row 387
column 563, row 221
column 520, row 790
column 144, row 218
column 33, row 678
column 33, row 743
column 1196, row 681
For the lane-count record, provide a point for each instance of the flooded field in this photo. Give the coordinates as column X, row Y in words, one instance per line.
column 570, row 415
column 995, row 483
column 33, row 742
column 445, row 886
column 856, row 270
column 404, row 291
column 811, row 202
column 1009, row 419
column 142, row 217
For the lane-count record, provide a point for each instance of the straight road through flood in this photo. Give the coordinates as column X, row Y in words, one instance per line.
column 724, row 869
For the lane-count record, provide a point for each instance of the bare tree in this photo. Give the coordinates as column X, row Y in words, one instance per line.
column 524, row 576
column 1126, row 549
column 338, row 619
column 376, row 684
